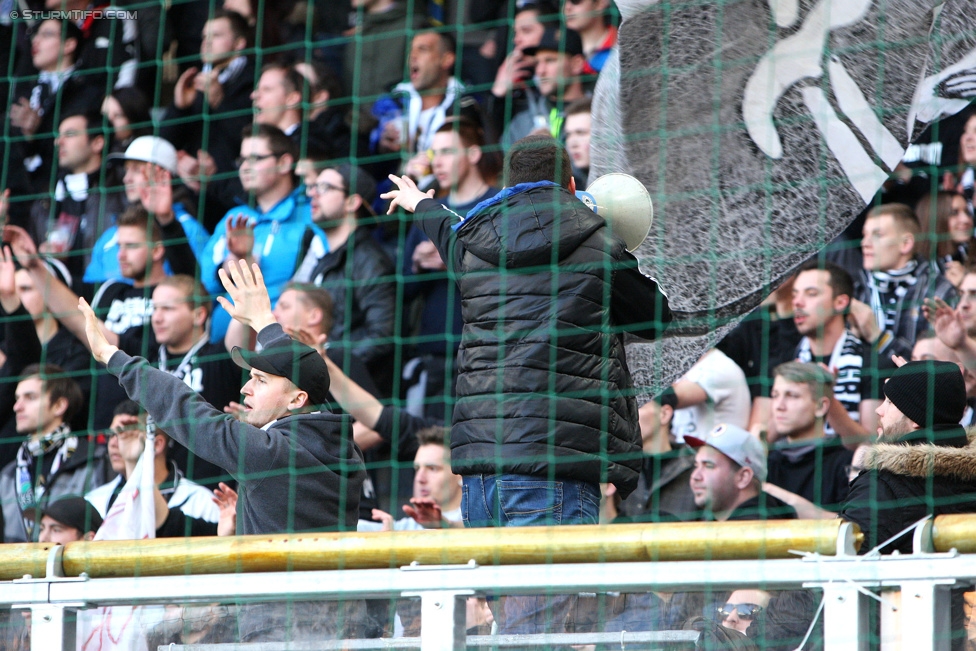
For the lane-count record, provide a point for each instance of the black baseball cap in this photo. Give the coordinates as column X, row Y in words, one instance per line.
column 74, row 511
column 290, row 359
column 359, row 181
column 552, row 39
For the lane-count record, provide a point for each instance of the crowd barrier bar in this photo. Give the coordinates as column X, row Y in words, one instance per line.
column 444, row 567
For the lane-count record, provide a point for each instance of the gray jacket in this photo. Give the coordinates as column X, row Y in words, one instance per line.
column 298, row 474
column 85, row 469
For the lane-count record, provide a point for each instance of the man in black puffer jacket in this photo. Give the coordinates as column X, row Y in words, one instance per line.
column 544, row 411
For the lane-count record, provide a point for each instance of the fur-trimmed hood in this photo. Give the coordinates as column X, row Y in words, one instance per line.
column 925, row 460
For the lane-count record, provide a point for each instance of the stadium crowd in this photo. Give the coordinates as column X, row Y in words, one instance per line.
column 293, row 232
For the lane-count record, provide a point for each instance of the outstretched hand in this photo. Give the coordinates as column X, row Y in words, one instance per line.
column 425, row 511
column 101, row 349
column 383, row 518
column 301, row 335
column 406, row 196
column 862, row 321
column 245, row 285
column 22, row 245
column 946, row 321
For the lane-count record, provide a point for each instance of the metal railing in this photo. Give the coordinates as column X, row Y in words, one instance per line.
column 444, row 567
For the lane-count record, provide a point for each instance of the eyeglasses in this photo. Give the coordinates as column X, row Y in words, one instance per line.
column 126, row 430
column 47, row 33
column 252, row 159
column 575, row 2
column 745, row 611
column 323, row 187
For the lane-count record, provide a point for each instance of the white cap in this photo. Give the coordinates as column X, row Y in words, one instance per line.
column 738, row 445
column 151, row 149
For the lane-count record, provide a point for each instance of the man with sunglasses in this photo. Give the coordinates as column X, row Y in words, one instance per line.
column 353, row 263
column 268, row 229
column 741, row 609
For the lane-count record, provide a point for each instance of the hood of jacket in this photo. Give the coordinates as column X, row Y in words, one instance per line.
column 923, row 460
column 284, row 210
column 522, row 225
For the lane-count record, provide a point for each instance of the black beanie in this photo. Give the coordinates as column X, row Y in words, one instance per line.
column 928, row 392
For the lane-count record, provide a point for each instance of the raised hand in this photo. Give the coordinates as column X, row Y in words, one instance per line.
column 245, row 286
column 208, row 166
column 101, row 349
column 235, row 409
column 946, row 321
column 206, row 83
column 303, row 336
column 9, row 298
column 22, row 245
column 407, row 195
column 427, row 257
column 225, row 498
column 240, row 236
column 156, row 196
column 188, row 169
column 24, row 117
column 862, row 321
column 185, row 92
column 385, row 518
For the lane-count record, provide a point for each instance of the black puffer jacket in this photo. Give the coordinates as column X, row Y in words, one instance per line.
column 543, row 383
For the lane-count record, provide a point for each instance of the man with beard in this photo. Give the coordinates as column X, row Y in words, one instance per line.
column 364, row 322
column 821, row 298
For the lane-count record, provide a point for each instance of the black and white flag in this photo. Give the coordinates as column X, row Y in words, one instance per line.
column 762, row 128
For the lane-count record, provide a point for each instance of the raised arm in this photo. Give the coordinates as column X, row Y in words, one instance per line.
column 353, row 399
column 58, row 297
column 101, row 348
column 406, row 195
column 245, row 285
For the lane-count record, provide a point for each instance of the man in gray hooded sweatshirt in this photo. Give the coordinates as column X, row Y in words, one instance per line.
column 279, row 445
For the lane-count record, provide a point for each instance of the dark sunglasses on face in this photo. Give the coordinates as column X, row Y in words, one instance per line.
column 745, row 611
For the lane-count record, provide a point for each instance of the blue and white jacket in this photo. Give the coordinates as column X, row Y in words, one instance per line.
column 277, row 245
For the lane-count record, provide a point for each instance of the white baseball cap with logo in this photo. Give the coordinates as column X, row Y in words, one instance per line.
column 738, row 445
column 150, row 149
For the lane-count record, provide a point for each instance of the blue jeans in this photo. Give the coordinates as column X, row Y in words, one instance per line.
column 526, row 501
column 523, row 501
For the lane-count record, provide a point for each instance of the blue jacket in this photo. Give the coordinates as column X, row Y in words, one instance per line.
column 104, row 263
column 277, row 245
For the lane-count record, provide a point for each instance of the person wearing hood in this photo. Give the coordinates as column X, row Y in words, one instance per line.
column 923, row 465
column 282, row 442
column 544, row 410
